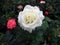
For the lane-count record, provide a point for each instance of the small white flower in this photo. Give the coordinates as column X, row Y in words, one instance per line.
column 30, row 18
column 58, row 35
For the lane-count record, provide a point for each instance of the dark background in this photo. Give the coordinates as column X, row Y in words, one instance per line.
column 47, row 34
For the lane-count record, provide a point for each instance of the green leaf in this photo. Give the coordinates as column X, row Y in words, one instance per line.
column 45, row 25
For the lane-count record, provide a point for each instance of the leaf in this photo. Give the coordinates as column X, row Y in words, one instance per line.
column 45, row 25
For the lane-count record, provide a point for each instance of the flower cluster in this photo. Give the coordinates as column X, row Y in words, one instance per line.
column 28, row 19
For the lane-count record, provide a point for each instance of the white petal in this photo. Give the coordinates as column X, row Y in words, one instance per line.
column 41, row 15
column 28, row 7
column 19, row 16
column 39, row 23
column 26, row 27
column 36, row 9
column 29, row 30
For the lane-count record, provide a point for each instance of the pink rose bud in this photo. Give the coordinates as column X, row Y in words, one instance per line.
column 20, row 7
column 11, row 23
column 42, row 1
column 46, row 12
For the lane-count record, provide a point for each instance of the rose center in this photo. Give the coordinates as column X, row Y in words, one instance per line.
column 30, row 19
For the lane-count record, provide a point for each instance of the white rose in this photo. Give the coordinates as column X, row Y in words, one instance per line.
column 30, row 18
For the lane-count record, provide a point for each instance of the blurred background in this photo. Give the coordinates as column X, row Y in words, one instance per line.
column 47, row 34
